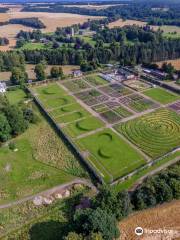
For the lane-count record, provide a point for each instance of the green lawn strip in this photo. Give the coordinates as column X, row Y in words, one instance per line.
column 112, row 152
column 131, row 181
column 62, row 100
column 155, row 133
column 15, row 96
column 76, row 85
column 96, row 80
column 51, row 90
column 66, row 109
column 161, row 95
column 82, row 126
column 72, row 116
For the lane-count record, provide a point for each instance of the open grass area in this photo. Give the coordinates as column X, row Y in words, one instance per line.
column 33, row 46
column 127, row 184
column 161, row 95
column 72, row 116
column 156, row 133
column 110, row 154
column 16, row 96
column 83, row 126
column 41, row 160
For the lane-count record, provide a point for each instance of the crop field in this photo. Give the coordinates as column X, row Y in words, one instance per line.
column 41, row 161
column 121, row 23
column 138, row 103
column 51, row 21
column 110, row 154
column 156, row 133
column 175, row 106
column 153, row 218
column 161, row 95
column 175, row 63
column 115, row 90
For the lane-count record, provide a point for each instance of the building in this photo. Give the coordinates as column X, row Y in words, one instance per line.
column 3, row 87
column 77, row 73
column 127, row 75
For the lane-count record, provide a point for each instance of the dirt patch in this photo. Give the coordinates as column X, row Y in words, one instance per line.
column 121, row 23
column 166, row 216
column 175, row 63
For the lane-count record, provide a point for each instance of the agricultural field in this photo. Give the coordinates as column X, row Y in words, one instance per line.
column 137, row 85
column 156, row 133
column 175, row 63
column 161, row 95
column 95, row 80
column 51, row 21
column 121, row 23
column 168, row 31
column 41, row 160
column 153, row 218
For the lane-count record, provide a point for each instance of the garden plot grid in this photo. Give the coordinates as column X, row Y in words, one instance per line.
column 93, row 114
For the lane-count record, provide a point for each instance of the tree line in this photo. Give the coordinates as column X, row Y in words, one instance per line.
column 33, row 22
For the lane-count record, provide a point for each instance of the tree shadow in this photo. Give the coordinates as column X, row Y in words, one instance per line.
column 51, row 230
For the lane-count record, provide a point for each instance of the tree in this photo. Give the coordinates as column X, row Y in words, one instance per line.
column 95, row 236
column 40, row 72
column 16, row 119
column 5, row 129
column 96, row 221
column 56, row 72
column 18, row 76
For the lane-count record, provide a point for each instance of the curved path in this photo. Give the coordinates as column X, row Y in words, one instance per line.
column 51, row 191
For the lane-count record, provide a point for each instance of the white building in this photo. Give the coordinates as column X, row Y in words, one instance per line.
column 77, row 73
column 2, row 87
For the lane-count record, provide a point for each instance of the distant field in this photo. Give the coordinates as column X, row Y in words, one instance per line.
column 51, row 21
column 161, row 95
column 175, row 63
column 169, row 31
column 161, row 217
column 121, row 23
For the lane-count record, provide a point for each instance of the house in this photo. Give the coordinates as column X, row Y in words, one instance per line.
column 77, row 73
column 3, row 87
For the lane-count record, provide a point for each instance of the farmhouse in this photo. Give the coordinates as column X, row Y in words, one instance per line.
column 2, row 87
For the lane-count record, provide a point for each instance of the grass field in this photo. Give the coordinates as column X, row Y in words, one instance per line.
column 110, row 153
column 16, row 96
column 83, row 126
column 41, row 161
column 121, row 23
column 156, row 133
column 161, row 95
column 169, row 31
column 33, row 46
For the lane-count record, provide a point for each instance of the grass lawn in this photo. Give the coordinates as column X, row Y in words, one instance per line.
column 33, row 46
column 156, row 133
column 72, row 116
column 83, row 126
column 16, row 96
column 65, row 109
column 161, row 95
column 127, row 184
column 106, row 150
column 41, row 161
